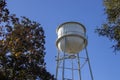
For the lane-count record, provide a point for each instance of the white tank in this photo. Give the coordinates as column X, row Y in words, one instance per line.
column 71, row 37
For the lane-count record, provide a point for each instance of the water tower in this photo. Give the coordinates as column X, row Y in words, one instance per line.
column 70, row 42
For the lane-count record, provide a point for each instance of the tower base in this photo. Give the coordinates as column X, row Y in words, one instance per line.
column 69, row 66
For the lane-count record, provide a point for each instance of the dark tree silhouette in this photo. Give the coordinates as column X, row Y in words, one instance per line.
column 22, row 48
column 111, row 29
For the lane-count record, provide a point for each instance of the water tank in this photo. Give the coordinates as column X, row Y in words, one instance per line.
column 71, row 37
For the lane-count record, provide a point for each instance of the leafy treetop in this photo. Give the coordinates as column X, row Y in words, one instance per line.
column 21, row 48
column 111, row 29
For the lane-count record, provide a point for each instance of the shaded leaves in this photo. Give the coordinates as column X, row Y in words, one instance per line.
column 21, row 48
column 111, row 29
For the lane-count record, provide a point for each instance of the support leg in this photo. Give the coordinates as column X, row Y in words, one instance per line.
column 57, row 66
column 89, row 64
column 63, row 66
column 72, row 70
column 79, row 67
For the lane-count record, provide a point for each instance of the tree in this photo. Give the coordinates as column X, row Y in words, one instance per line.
column 111, row 29
column 21, row 48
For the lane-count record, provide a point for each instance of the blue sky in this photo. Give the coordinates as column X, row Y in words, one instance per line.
column 51, row 13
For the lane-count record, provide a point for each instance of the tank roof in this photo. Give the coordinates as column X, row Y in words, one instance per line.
column 70, row 22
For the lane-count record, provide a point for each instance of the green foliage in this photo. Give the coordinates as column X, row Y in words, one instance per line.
column 21, row 48
column 112, row 9
column 111, row 29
